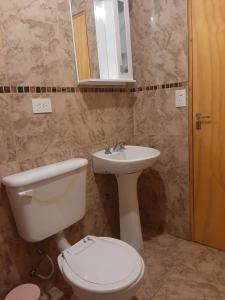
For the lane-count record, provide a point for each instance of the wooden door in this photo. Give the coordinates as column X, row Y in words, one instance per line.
column 208, row 84
column 81, row 46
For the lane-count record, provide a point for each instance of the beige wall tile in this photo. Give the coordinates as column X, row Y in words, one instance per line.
column 159, row 40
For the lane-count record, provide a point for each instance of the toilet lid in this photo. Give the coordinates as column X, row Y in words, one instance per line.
column 102, row 262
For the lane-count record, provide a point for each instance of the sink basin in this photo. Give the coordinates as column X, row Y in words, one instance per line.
column 127, row 165
column 131, row 160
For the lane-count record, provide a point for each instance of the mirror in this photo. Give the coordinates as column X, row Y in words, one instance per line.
column 101, row 32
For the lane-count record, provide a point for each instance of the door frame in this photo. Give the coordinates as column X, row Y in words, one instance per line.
column 190, row 117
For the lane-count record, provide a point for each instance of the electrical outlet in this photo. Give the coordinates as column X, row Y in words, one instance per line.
column 181, row 99
column 41, row 105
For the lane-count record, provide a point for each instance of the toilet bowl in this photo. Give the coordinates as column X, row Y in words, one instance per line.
column 102, row 268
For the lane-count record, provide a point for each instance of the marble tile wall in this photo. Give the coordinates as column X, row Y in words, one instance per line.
column 160, row 55
column 159, row 40
column 36, row 45
column 163, row 190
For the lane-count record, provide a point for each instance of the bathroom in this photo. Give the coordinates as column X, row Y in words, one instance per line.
column 37, row 61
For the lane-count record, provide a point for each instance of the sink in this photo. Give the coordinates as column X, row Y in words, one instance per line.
column 133, row 159
column 127, row 165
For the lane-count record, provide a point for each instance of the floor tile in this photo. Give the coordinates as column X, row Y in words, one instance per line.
column 182, row 270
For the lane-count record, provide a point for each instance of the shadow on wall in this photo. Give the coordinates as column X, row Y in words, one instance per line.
column 108, row 193
column 152, row 202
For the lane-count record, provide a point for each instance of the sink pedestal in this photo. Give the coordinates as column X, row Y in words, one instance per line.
column 130, row 225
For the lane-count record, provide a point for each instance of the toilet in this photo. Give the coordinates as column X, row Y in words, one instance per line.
column 49, row 199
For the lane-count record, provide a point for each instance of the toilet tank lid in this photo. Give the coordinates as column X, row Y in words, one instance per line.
column 45, row 172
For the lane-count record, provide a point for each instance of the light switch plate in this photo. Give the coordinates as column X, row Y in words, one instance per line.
column 181, row 99
column 41, row 105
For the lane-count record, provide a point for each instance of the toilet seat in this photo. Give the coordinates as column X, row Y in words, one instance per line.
column 101, row 264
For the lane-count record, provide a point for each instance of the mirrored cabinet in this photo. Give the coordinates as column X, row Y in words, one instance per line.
column 102, row 45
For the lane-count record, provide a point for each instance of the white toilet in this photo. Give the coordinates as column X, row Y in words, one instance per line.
column 47, row 200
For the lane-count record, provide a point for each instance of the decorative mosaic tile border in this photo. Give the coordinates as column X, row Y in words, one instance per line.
column 44, row 90
column 160, row 86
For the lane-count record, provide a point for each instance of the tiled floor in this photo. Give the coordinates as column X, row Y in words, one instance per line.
column 182, row 270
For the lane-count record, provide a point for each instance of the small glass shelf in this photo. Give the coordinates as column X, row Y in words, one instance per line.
column 105, row 82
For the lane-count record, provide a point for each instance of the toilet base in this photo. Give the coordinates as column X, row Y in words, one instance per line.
column 126, row 294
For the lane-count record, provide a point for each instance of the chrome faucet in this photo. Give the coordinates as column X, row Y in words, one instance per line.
column 119, row 147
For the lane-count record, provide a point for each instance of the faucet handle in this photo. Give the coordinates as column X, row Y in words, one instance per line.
column 122, row 146
column 119, row 147
column 107, row 150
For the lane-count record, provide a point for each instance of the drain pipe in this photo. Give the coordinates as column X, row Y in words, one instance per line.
column 62, row 244
column 61, row 241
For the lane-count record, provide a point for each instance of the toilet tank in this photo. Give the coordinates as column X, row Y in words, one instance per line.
column 48, row 199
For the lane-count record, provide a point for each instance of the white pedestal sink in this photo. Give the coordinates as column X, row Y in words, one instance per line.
column 127, row 165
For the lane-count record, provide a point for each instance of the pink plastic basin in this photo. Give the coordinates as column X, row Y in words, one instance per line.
column 26, row 291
